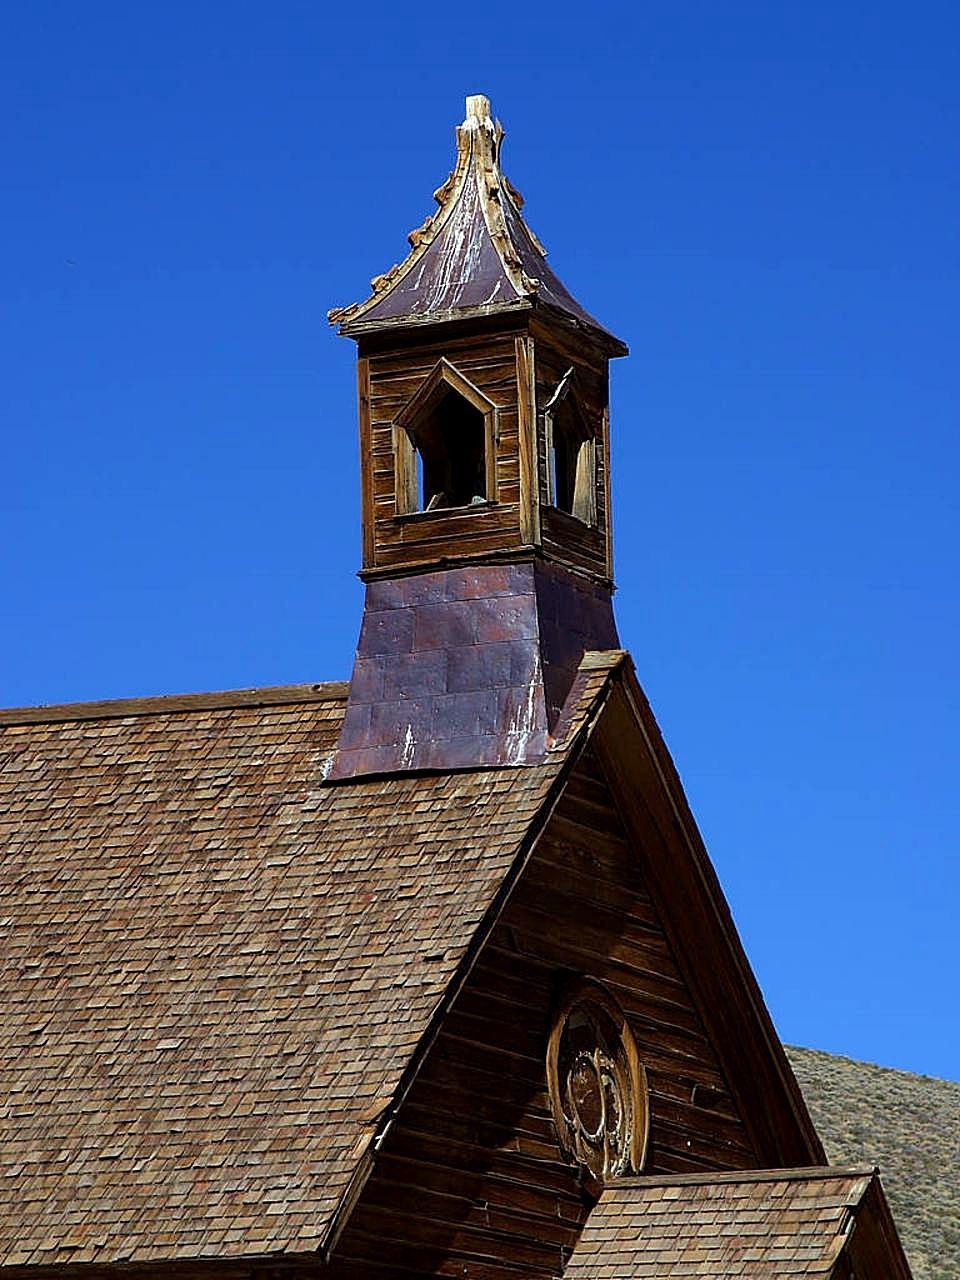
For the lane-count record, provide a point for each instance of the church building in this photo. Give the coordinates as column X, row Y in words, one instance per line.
column 427, row 974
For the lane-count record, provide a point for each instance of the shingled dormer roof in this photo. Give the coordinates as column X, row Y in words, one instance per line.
column 794, row 1224
column 474, row 256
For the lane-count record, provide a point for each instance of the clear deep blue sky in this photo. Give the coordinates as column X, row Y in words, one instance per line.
column 762, row 199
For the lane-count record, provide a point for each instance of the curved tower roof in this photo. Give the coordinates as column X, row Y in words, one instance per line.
column 474, row 256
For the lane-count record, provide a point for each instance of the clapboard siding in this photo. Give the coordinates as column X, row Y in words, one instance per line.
column 488, row 361
column 562, row 536
column 519, row 374
column 470, row 1180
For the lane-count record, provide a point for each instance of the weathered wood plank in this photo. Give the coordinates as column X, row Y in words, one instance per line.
column 368, row 548
column 474, row 1144
column 527, row 443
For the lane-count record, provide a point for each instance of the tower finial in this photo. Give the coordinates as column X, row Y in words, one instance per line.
column 475, row 255
column 478, row 111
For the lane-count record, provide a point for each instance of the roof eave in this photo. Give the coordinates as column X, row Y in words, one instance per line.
column 612, row 345
column 360, row 328
column 494, row 218
column 696, row 916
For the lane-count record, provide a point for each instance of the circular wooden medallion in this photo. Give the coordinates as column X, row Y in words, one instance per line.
column 598, row 1087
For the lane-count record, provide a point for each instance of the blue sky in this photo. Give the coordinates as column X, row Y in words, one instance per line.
column 762, row 199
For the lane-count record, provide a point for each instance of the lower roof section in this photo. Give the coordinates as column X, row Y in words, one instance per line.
column 786, row 1223
column 219, row 969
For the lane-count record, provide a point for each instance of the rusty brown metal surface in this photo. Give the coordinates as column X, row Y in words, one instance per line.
column 475, row 255
column 575, row 616
column 467, row 668
column 461, row 269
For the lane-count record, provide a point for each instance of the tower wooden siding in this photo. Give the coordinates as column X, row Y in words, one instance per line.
column 422, row 539
column 498, row 362
column 563, row 537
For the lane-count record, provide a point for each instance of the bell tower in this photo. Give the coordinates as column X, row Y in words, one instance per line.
column 484, row 449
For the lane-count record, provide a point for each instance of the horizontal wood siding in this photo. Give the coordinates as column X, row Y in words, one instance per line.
column 567, row 539
column 470, row 1181
column 564, row 537
column 489, row 362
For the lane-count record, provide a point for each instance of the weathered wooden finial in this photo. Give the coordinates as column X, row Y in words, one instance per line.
column 478, row 111
column 474, row 255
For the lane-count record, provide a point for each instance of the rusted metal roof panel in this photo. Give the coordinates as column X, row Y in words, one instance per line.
column 475, row 255
column 460, row 270
column 467, row 668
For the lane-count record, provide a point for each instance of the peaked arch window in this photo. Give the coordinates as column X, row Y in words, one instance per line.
column 571, row 454
column 444, row 441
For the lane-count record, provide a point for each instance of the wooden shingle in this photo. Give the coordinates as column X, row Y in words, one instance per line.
column 216, row 967
column 784, row 1223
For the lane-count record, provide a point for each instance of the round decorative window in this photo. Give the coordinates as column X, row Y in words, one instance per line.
column 598, row 1087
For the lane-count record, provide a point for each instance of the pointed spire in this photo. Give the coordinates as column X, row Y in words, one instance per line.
column 474, row 256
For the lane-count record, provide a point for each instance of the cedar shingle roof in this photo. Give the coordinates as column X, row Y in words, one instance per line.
column 215, row 969
column 719, row 1226
column 907, row 1124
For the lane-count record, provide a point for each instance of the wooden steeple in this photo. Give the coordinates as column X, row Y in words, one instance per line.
column 484, row 445
column 483, row 1016
column 483, row 388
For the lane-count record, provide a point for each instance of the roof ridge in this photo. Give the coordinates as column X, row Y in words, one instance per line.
column 166, row 704
column 808, row 1173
